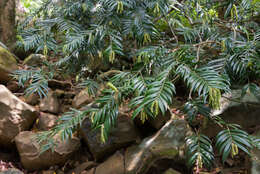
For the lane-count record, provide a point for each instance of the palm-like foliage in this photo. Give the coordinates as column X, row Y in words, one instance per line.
column 199, row 151
column 195, row 107
column 90, row 85
column 230, row 140
column 37, row 80
column 105, row 116
column 158, row 96
column 207, row 45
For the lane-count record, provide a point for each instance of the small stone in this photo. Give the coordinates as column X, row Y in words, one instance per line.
column 48, row 172
column 50, row 103
column 171, row 171
column 32, row 99
column 113, row 165
column 82, row 99
column 13, row 86
column 46, row 121
column 59, row 93
column 34, row 60
column 11, row 171
column 230, row 162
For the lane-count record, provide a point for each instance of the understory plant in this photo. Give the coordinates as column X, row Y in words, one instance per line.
column 151, row 46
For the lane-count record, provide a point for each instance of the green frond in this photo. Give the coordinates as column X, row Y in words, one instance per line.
column 252, row 89
column 199, row 151
column 37, row 80
column 203, row 79
column 189, row 33
column 66, row 126
column 65, row 25
column 255, row 142
column 194, row 107
column 105, row 115
column 90, row 85
column 140, row 84
column 158, row 95
column 230, row 140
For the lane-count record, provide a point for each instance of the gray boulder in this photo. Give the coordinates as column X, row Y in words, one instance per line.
column 167, row 143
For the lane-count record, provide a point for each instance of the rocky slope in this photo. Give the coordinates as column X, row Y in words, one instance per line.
column 129, row 149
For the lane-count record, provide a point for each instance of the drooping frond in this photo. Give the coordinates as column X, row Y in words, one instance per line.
column 90, row 85
column 230, row 140
column 199, row 151
column 37, row 79
column 104, row 117
column 203, row 79
column 195, row 107
column 157, row 97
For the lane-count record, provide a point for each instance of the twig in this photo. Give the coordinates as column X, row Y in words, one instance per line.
column 160, row 17
column 230, row 28
column 174, row 35
column 203, row 43
column 108, row 73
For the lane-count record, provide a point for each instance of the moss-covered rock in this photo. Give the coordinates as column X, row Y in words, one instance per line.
column 34, row 60
column 7, row 64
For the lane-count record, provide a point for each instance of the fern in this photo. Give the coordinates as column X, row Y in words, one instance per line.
column 66, row 125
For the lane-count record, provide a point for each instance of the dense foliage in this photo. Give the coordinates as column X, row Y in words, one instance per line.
column 210, row 46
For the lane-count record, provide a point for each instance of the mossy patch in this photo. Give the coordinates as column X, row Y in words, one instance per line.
column 7, row 64
column 7, row 60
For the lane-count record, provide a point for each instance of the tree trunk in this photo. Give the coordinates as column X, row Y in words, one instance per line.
column 7, row 21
